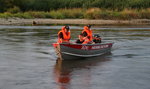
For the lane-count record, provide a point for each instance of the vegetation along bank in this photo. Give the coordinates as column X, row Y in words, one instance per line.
column 76, row 9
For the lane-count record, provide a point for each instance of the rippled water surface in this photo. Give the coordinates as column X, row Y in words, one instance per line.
column 28, row 60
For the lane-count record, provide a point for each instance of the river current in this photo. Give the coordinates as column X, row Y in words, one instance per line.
column 28, row 60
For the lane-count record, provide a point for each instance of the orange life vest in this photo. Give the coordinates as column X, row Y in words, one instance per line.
column 86, row 40
column 66, row 36
column 88, row 31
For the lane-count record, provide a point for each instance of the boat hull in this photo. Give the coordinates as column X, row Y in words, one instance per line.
column 77, row 51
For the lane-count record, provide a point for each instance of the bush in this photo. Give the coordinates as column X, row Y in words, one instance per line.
column 67, row 13
column 92, row 13
column 73, row 13
column 37, row 14
column 105, row 15
column 56, row 15
column 25, row 15
column 129, row 14
column 145, row 13
column 5, row 15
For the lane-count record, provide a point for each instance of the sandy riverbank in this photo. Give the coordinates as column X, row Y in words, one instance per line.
column 18, row 21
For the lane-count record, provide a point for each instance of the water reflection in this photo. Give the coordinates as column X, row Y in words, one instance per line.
column 65, row 71
column 62, row 74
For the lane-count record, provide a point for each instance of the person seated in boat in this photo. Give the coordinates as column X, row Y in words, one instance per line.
column 83, row 39
column 87, row 40
column 80, row 40
column 96, row 38
column 64, row 35
column 87, row 32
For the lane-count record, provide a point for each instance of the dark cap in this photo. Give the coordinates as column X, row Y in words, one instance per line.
column 67, row 27
column 89, row 26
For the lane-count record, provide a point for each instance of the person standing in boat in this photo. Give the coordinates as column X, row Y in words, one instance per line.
column 87, row 32
column 64, row 35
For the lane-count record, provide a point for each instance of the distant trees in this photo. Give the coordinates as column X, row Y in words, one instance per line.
column 139, row 4
column 47, row 5
column 5, row 4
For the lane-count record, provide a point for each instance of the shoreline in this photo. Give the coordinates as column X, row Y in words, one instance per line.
column 40, row 21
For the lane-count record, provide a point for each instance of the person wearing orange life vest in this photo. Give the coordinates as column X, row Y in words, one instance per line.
column 86, row 40
column 83, row 39
column 80, row 39
column 64, row 35
column 87, row 32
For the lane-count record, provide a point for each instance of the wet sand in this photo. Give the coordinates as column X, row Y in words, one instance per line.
column 19, row 21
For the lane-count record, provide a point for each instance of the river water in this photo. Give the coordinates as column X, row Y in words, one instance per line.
column 28, row 60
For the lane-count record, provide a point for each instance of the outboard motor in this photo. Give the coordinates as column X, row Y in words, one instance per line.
column 96, row 38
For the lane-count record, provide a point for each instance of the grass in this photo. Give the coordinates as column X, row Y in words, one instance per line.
column 78, row 13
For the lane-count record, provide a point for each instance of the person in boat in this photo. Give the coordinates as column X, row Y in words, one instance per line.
column 80, row 40
column 87, row 32
column 64, row 35
column 96, row 38
column 87, row 40
column 83, row 39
